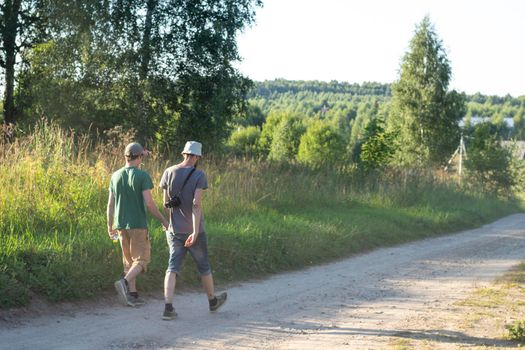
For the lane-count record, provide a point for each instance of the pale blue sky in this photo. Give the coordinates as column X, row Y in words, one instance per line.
column 364, row 40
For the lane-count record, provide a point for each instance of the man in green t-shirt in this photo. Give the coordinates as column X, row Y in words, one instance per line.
column 129, row 195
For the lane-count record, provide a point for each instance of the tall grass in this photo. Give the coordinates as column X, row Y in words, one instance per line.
column 261, row 218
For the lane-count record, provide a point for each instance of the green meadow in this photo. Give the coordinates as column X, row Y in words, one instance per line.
column 261, row 218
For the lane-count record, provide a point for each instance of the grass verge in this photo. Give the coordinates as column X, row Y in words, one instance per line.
column 260, row 218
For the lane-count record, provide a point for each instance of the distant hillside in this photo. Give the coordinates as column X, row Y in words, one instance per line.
column 270, row 88
column 345, row 101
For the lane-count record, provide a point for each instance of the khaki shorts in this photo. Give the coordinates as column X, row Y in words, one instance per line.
column 136, row 248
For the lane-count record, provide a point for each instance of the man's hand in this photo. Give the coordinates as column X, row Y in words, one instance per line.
column 110, row 212
column 111, row 232
column 152, row 207
column 165, row 225
column 191, row 240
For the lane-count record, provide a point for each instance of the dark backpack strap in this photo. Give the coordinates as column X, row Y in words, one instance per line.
column 187, row 178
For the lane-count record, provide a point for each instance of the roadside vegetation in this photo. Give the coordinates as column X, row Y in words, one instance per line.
column 262, row 217
column 291, row 184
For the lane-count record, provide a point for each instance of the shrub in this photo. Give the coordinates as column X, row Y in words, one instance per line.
column 12, row 292
column 516, row 330
column 321, row 145
column 266, row 137
column 244, row 141
column 286, row 138
column 378, row 145
column 489, row 162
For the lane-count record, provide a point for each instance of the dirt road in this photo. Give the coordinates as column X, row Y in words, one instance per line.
column 369, row 301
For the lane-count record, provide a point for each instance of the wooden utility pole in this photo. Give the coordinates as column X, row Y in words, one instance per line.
column 461, row 151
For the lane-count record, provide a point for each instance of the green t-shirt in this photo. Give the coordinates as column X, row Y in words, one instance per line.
column 127, row 185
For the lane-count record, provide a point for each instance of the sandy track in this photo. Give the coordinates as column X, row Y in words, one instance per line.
column 365, row 302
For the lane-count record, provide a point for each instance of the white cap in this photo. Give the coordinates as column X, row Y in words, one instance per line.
column 193, row 147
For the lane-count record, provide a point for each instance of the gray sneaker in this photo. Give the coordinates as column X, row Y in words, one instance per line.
column 169, row 315
column 123, row 294
column 221, row 299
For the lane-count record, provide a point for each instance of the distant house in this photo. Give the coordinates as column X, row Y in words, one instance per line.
column 474, row 120
column 519, row 152
column 509, row 122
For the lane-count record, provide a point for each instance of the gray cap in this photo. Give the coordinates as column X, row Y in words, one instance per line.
column 193, row 147
column 134, row 149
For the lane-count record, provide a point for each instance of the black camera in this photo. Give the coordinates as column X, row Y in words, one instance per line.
column 172, row 203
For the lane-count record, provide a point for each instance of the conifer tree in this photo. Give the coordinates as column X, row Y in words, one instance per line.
column 424, row 113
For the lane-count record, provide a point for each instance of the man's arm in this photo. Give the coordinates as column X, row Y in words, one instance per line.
column 110, row 212
column 152, row 207
column 166, row 197
column 196, row 217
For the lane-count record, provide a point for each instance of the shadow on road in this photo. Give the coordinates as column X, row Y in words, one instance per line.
column 439, row 335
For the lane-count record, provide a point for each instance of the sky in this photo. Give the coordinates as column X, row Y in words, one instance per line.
column 360, row 41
